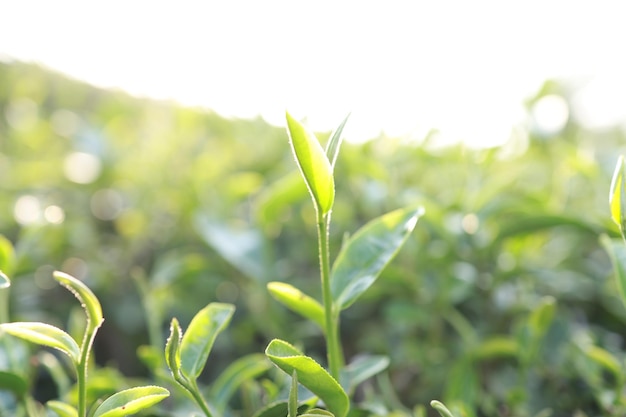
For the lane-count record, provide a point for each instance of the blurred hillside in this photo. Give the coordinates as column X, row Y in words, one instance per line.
column 159, row 206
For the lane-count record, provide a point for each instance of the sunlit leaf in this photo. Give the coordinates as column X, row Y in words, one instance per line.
column 605, row 359
column 298, row 302
column 7, row 256
column 617, row 197
column 238, row 372
column 367, row 252
column 172, row 348
column 87, row 298
column 4, row 281
column 310, row 374
column 130, row 401
column 441, row 409
column 334, row 143
column 617, row 253
column 199, row 337
column 44, row 334
column 313, row 163
column 14, row 382
column 62, row 409
column 496, row 347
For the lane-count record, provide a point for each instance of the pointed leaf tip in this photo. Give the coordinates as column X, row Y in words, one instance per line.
column 617, row 197
column 313, row 164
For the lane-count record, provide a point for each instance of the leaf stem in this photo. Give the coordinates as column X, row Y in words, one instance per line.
column 193, row 389
column 334, row 353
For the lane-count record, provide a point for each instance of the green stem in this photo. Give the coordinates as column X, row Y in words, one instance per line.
column 193, row 389
column 81, row 369
column 335, row 355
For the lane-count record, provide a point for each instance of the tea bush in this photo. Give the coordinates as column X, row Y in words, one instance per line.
column 502, row 301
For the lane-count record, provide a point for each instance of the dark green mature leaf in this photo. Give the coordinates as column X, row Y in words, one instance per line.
column 62, row 409
column 44, row 334
column 313, row 163
column 172, row 348
column 87, row 298
column 310, row 374
column 617, row 196
column 238, row 372
column 130, row 401
column 199, row 337
column 617, row 252
column 366, row 254
column 334, row 143
column 298, row 302
column 14, row 382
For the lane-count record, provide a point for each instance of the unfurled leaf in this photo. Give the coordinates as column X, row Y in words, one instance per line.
column 199, row 337
column 13, row 382
column 313, row 163
column 367, row 252
column 617, row 196
column 130, row 401
column 298, row 302
column 617, row 253
column 334, row 143
column 87, row 298
column 62, row 409
column 242, row 370
column 310, row 374
column 44, row 334
column 172, row 348
column 361, row 369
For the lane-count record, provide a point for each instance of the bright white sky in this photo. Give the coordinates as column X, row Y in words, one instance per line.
column 404, row 67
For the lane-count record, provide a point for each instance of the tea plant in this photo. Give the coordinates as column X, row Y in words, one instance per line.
column 123, row 403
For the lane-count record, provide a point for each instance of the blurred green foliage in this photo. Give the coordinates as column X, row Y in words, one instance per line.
column 501, row 303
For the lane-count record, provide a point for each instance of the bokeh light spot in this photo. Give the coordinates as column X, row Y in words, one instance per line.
column 106, row 204
column 27, row 210
column 82, row 168
column 550, row 114
column 54, row 214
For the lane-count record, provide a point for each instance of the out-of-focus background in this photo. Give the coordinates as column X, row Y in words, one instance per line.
column 142, row 149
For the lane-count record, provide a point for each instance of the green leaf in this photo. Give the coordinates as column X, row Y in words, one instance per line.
column 442, row 409
column 199, row 337
column 496, row 347
column 367, row 253
column 172, row 349
column 14, row 382
column 276, row 409
column 46, row 335
column 313, row 163
column 242, row 370
column 334, row 143
column 361, row 369
column 617, row 196
column 298, row 302
column 4, row 281
column 62, row 409
column 617, row 253
column 605, row 359
column 310, row 374
column 278, row 197
column 87, row 299
column 7, row 256
column 130, row 401
column 317, row 412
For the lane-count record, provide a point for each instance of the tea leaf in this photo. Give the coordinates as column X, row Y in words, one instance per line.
column 7, row 256
column 441, row 409
column 4, row 281
column 317, row 412
column 200, row 335
column 361, row 369
column 334, row 143
column 130, row 401
column 310, row 374
column 367, row 252
column 617, row 253
column 62, row 409
column 238, row 372
column 172, row 349
column 313, row 164
column 604, row 359
column 617, row 197
column 88, row 300
column 14, row 382
column 298, row 302
column 46, row 335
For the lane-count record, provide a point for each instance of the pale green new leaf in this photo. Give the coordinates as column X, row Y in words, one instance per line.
column 441, row 409
column 172, row 349
column 334, row 143
column 87, row 299
column 617, row 253
column 46, row 335
column 7, row 256
column 617, row 197
column 199, row 337
column 62, row 409
column 130, row 401
column 367, row 252
column 310, row 374
column 298, row 302
column 313, row 163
